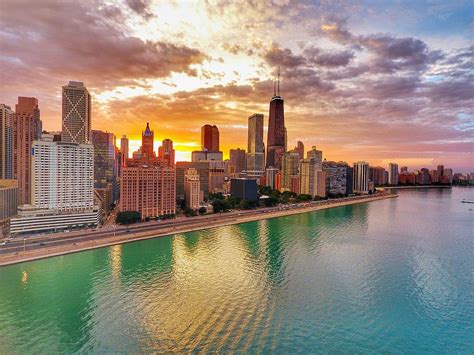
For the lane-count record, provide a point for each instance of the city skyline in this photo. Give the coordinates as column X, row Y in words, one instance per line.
column 355, row 84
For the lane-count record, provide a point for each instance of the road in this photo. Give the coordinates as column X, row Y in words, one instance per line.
column 19, row 245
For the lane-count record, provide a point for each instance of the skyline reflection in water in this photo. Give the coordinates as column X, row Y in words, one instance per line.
column 393, row 275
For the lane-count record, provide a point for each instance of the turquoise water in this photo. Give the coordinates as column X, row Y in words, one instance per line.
column 388, row 276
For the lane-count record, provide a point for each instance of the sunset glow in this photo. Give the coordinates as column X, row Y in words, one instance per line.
column 356, row 84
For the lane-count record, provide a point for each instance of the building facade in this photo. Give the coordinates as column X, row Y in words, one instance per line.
column 76, row 113
column 238, row 160
column 124, row 147
column 255, row 146
column 311, row 177
column 192, row 189
column 105, row 163
column 6, row 142
column 290, row 167
column 26, row 129
column 361, row 178
column 276, row 140
column 210, row 138
column 202, row 167
column 244, row 189
column 336, row 178
column 148, row 187
column 166, row 152
column 393, row 174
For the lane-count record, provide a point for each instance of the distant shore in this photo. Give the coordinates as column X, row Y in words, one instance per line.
column 413, row 187
column 77, row 241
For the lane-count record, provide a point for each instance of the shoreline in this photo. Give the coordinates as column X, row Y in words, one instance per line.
column 413, row 187
column 200, row 224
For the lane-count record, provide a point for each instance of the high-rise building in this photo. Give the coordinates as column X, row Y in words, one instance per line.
column 148, row 137
column 440, row 170
column 166, row 151
column 393, row 174
column 271, row 177
column 63, row 175
column 148, row 186
column 26, row 129
column 311, row 177
column 316, row 154
column 448, row 175
column 8, row 198
column 6, row 142
column 124, row 147
column 105, row 163
column 62, row 194
column 204, row 155
column 76, row 113
column 361, row 178
column 377, row 175
column 300, row 149
column 244, row 189
column 336, row 178
column 192, row 189
column 210, row 138
column 276, row 141
column 202, row 167
column 255, row 146
column 238, row 159
column 290, row 167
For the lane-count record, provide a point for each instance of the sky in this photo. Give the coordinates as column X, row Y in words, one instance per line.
column 380, row 81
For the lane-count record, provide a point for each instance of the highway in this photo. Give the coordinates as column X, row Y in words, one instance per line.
column 21, row 244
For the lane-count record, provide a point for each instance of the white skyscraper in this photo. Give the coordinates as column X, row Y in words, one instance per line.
column 393, row 174
column 76, row 113
column 63, row 175
column 361, row 178
column 62, row 188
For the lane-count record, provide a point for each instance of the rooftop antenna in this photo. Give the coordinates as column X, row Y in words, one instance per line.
column 274, row 89
column 278, row 81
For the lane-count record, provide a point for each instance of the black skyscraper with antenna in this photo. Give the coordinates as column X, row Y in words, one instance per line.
column 276, row 128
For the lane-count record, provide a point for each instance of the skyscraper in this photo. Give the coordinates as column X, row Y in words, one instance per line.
column 124, row 147
column 148, row 186
column 6, row 142
column 393, row 174
column 26, row 129
column 76, row 113
column 312, row 178
column 238, row 159
column 361, row 178
column 300, row 149
column 105, row 164
column 255, row 146
column 167, row 152
column 290, row 167
column 276, row 130
column 210, row 138
column 192, row 189
column 148, row 137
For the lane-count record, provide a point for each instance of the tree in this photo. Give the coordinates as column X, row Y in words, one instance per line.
column 202, row 210
column 128, row 217
column 189, row 212
column 270, row 201
column 247, row 205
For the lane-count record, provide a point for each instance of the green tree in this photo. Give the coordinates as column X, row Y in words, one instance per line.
column 202, row 210
column 128, row 217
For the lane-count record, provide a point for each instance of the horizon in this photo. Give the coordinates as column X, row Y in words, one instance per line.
column 355, row 85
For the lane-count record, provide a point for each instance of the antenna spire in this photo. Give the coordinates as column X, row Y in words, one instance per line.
column 278, row 81
column 274, row 88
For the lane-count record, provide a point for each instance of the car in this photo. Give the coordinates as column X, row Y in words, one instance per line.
column 3, row 243
column 42, row 243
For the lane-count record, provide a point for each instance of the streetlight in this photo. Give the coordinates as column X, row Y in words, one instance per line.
column 24, row 244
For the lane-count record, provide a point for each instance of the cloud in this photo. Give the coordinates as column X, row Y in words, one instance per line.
column 77, row 40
